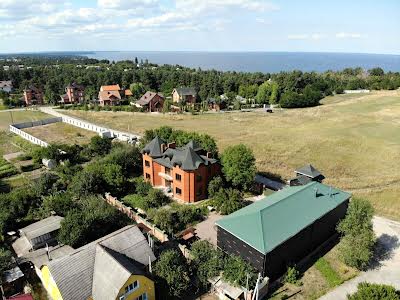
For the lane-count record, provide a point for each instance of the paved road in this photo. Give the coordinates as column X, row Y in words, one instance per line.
column 387, row 265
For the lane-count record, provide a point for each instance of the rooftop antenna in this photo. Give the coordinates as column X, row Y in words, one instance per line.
column 330, row 192
column 316, row 192
column 48, row 252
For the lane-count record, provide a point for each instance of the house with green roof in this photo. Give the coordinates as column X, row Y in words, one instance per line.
column 281, row 229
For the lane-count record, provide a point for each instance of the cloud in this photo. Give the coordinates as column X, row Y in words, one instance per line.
column 52, row 18
column 298, row 36
column 347, row 35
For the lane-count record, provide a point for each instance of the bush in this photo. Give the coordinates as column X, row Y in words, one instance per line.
column 292, row 276
column 214, row 186
column 358, row 239
column 142, row 187
column 373, row 291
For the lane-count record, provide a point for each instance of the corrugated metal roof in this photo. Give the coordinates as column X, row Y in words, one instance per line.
column 74, row 274
column 42, row 227
column 267, row 223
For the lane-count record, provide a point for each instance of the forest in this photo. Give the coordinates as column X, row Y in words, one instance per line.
column 289, row 89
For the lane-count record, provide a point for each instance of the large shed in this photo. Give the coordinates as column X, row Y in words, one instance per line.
column 283, row 228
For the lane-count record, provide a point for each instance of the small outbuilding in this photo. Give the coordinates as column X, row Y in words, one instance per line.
column 283, row 228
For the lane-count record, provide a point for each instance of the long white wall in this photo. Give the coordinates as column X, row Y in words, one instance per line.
column 28, row 137
column 124, row 136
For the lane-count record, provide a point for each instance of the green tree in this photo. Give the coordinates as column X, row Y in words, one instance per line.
column 215, row 185
column 228, row 200
column 5, row 260
column 137, row 90
column 267, row 92
column 208, row 262
column 238, row 165
column 373, row 291
column 376, row 72
column 92, row 219
column 99, row 145
column 358, row 239
column 236, row 271
column 173, row 271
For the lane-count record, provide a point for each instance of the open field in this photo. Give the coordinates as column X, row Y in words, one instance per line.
column 19, row 116
column 61, row 133
column 354, row 140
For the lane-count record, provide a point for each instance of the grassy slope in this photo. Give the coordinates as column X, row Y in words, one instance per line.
column 353, row 139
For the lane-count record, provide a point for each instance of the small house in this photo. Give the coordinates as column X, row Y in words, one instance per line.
column 74, row 93
column 305, row 175
column 113, row 267
column 109, row 95
column 216, row 104
column 33, row 96
column 184, row 95
column 151, row 101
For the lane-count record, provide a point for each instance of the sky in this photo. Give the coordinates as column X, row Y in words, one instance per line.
column 358, row 26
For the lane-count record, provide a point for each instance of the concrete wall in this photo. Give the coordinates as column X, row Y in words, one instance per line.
column 37, row 123
column 156, row 232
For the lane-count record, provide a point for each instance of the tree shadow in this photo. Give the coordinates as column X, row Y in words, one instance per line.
column 383, row 250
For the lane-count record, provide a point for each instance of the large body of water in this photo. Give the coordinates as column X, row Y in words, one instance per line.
column 258, row 61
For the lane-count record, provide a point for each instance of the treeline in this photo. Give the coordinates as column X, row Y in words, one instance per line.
column 290, row 89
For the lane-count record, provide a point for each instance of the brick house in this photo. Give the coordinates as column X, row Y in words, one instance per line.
column 74, row 93
column 186, row 170
column 109, row 95
column 184, row 94
column 151, row 101
column 216, row 104
column 33, row 96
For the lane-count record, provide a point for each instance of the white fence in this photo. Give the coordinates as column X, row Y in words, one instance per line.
column 123, row 136
column 356, row 91
column 27, row 136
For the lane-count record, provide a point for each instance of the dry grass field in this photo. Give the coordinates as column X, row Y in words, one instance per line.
column 61, row 133
column 353, row 139
column 19, row 116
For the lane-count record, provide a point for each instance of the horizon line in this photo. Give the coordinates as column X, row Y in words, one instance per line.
column 196, row 51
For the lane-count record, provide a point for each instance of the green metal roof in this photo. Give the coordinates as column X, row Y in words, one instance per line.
column 267, row 223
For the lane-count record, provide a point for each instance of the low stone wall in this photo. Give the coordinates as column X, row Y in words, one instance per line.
column 152, row 229
column 27, row 136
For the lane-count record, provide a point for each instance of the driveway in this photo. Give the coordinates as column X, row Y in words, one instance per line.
column 385, row 268
column 206, row 230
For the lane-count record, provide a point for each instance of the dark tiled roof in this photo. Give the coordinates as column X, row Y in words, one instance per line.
column 154, row 147
column 147, row 97
column 194, row 145
column 310, row 171
column 183, row 91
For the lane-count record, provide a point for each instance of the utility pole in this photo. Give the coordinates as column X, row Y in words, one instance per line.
column 11, row 117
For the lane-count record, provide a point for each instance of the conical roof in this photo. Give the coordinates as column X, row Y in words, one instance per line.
column 188, row 159
column 154, row 147
column 309, row 171
column 194, row 145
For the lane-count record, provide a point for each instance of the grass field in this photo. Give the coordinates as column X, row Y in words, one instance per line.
column 354, row 140
column 61, row 133
column 19, row 116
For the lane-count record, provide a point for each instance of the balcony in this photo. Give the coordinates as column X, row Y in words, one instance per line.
column 165, row 176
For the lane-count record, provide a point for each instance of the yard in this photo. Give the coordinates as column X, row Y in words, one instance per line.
column 61, row 133
column 354, row 140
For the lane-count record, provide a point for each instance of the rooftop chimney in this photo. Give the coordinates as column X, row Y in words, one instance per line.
column 171, row 145
column 209, row 155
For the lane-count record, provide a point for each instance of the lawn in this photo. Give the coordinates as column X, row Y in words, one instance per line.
column 19, row 116
column 354, row 140
column 61, row 133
